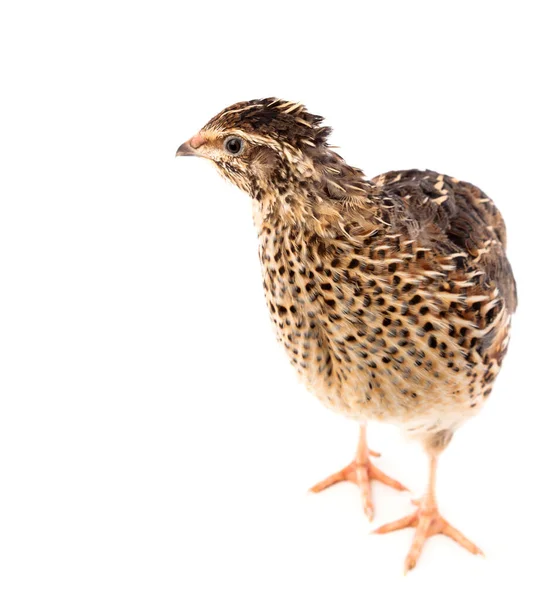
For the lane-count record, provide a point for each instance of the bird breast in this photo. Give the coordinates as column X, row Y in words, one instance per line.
column 366, row 341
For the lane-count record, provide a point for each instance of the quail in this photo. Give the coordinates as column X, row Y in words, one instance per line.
column 392, row 296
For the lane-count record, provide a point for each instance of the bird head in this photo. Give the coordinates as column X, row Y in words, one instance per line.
column 261, row 145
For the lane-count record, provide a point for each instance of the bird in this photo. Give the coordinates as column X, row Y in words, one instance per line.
column 393, row 296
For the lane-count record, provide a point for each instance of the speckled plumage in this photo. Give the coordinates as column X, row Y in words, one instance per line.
column 393, row 296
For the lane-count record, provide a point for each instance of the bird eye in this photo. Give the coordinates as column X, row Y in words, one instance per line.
column 234, row 145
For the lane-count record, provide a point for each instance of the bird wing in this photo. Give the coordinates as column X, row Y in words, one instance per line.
column 454, row 216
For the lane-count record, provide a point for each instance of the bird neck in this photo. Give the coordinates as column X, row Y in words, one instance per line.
column 320, row 194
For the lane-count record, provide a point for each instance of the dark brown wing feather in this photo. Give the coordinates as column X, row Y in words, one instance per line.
column 455, row 216
column 451, row 217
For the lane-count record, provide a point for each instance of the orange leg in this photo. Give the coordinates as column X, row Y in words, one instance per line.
column 361, row 471
column 427, row 522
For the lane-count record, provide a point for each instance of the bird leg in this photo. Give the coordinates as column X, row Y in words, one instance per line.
column 427, row 522
column 361, row 471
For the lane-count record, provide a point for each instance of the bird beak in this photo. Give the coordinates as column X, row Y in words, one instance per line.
column 186, row 150
column 189, row 147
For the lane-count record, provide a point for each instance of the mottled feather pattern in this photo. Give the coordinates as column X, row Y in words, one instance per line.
column 393, row 296
column 270, row 116
column 457, row 217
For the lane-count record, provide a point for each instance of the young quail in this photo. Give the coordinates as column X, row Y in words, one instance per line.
column 393, row 296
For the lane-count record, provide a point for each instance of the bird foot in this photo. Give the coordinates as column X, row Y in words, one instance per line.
column 427, row 522
column 361, row 473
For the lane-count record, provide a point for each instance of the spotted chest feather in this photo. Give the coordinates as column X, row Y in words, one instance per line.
column 382, row 325
column 393, row 296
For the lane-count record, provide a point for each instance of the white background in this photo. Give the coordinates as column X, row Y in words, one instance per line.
column 154, row 441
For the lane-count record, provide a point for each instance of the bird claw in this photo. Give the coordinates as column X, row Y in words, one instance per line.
column 427, row 522
column 361, row 474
